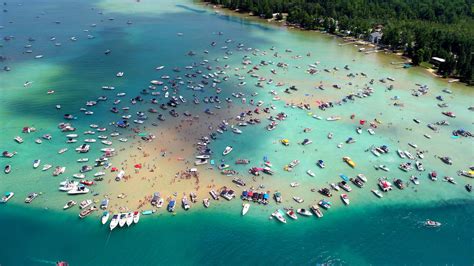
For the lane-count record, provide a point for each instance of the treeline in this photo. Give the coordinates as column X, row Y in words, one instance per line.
column 421, row 29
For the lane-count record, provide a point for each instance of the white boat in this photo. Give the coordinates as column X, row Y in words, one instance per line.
column 82, row 160
column 377, row 193
column 36, row 163
column 7, row 197
column 122, row 219
column 160, row 203
column 67, row 185
column 129, row 219
column 298, row 199
column 114, row 222
column 245, row 208
column 105, row 217
column 46, row 167
column 304, row 212
column 85, row 203
column 69, row 204
column 227, row 150
column 136, row 217
column 311, row 173
column 78, row 190
column 79, row 176
column 277, row 214
column 292, row 214
column 345, row 199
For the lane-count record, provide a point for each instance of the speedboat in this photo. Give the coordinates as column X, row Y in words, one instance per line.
column 245, row 208
column 46, row 167
column 81, row 189
column 205, row 202
column 277, row 214
column 105, row 217
column 310, row 173
column 325, row 204
column 85, row 203
column 321, row 164
column 7, row 169
column 415, row 180
column 36, row 163
column 291, row 214
column 171, row 205
column 349, row 161
column 430, row 223
column 317, row 211
column 69, row 204
column 7, row 197
column 185, row 203
column 122, row 219
column 129, row 219
column 298, row 199
column 31, row 197
column 114, row 222
column 304, row 212
column 345, row 199
column 377, row 193
column 136, row 217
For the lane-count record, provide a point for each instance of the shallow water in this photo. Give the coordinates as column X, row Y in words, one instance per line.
column 77, row 70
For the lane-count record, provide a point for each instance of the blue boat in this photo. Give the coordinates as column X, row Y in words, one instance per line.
column 344, row 177
column 171, row 205
column 148, row 212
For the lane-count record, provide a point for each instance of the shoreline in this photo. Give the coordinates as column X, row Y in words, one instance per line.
column 365, row 43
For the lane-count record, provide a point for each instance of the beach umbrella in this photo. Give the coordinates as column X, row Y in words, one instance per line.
column 138, row 166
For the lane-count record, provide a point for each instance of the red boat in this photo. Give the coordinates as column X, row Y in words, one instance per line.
column 87, row 182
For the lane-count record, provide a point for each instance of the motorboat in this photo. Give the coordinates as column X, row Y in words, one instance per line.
column 245, row 208
column 415, row 180
column 80, row 189
column 349, row 161
column 298, row 199
column 31, row 197
column 36, row 163
column 320, row 163
column 136, row 217
column 7, row 197
column 87, row 212
column 171, row 205
column 185, row 203
column 317, row 211
column 105, row 217
column 292, row 214
column 430, row 223
column 277, row 214
column 7, row 169
column 85, row 203
column 325, row 204
column 311, row 173
column 129, row 219
column 114, row 222
column 122, row 219
column 377, row 193
column 345, row 199
column 433, row 175
column 69, row 204
column 304, row 212
column 206, row 202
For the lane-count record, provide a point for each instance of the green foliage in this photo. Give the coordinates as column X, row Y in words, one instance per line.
column 420, row 28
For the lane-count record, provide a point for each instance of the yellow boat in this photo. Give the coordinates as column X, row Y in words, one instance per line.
column 285, row 142
column 349, row 161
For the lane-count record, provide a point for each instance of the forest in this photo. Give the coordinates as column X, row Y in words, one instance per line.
column 420, row 29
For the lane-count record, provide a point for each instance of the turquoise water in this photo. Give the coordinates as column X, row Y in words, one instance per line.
column 371, row 231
